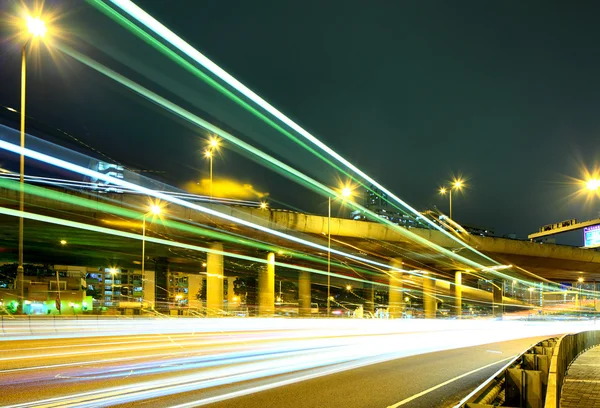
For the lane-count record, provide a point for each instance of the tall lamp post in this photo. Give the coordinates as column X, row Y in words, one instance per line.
column 346, row 193
column 456, row 185
column 35, row 28
column 154, row 210
column 213, row 145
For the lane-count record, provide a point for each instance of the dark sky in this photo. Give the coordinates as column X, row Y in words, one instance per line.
column 506, row 93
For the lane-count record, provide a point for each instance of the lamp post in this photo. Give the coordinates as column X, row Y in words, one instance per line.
column 456, row 185
column 154, row 210
column 346, row 192
column 580, row 280
column 213, row 145
column 35, row 28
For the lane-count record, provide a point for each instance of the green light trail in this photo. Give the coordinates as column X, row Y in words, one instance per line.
column 153, row 42
column 162, row 31
column 195, row 230
column 160, row 241
column 305, row 180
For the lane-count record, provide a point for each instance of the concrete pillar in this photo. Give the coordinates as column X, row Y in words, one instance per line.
column 148, row 288
column 429, row 300
column 161, row 287
column 457, row 293
column 395, row 301
column 266, row 287
column 214, row 279
column 194, row 288
column 369, row 297
column 497, row 298
column 232, row 303
column 304, row 293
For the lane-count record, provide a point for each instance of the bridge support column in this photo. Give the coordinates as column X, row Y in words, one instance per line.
column 231, row 298
column 304, row 293
column 194, row 288
column 497, row 298
column 457, row 293
column 395, row 301
column 214, row 279
column 161, row 278
column 149, row 288
column 369, row 289
column 266, row 287
column 429, row 300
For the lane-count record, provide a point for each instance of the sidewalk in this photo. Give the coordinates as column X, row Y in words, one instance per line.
column 581, row 387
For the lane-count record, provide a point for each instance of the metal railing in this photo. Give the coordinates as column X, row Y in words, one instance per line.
column 568, row 348
column 534, row 378
column 520, row 383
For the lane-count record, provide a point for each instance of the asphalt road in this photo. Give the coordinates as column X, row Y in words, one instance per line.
column 367, row 367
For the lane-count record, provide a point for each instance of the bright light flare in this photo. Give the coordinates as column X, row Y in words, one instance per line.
column 63, row 242
column 592, row 184
column 214, row 142
column 443, row 191
column 346, row 192
column 155, row 209
column 208, row 154
column 458, row 184
column 36, row 26
column 264, row 205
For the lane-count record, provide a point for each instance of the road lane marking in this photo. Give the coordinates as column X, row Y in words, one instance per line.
column 494, row 351
column 427, row 391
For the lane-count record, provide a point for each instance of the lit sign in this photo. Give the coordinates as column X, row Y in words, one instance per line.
column 591, row 236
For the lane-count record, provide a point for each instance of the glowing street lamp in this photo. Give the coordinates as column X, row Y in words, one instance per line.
column 348, row 288
column 592, row 184
column 457, row 184
column 264, row 205
column 35, row 28
column 345, row 194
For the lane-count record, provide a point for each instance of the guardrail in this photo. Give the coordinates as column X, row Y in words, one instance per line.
column 533, row 379
column 568, row 348
column 520, row 383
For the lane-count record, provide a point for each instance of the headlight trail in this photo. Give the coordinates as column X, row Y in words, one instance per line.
column 159, row 29
column 160, row 241
column 180, row 226
column 258, row 350
column 149, row 192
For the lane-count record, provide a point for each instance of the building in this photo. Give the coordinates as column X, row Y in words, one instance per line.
column 44, row 289
column 377, row 201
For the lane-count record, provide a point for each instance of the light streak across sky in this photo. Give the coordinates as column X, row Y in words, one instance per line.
column 159, row 29
column 315, row 185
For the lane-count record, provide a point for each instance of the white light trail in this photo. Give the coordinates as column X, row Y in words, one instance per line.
column 158, row 28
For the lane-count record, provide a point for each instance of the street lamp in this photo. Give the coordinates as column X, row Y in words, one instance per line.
column 457, row 184
column 35, row 28
column 154, row 210
column 264, row 205
column 345, row 193
column 213, row 145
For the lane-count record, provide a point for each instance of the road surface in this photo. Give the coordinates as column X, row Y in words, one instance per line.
column 377, row 364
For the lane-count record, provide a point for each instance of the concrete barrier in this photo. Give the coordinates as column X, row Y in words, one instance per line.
column 568, row 348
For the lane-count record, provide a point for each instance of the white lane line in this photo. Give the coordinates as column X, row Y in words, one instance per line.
column 494, row 351
column 427, row 391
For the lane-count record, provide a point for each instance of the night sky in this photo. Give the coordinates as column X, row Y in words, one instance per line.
column 505, row 93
